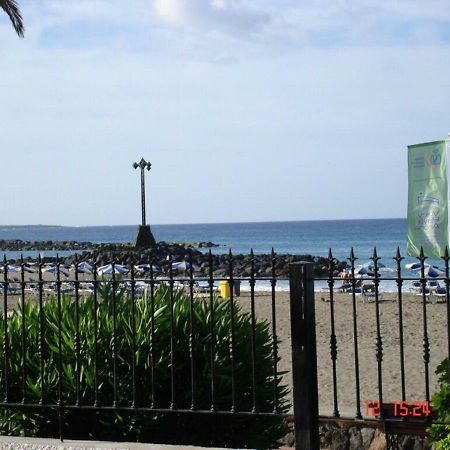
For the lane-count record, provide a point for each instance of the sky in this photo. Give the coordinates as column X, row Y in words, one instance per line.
column 248, row 111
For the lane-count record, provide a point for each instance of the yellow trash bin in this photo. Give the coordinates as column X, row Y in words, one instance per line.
column 224, row 289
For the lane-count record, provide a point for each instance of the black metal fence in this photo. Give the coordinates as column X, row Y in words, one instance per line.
column 48, row 365
column 395, row 328
column 324, row 346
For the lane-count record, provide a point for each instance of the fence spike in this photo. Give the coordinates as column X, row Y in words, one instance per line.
column 422, row 255
column 375, row 256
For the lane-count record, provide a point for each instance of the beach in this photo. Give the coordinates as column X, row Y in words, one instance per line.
column 366, row 322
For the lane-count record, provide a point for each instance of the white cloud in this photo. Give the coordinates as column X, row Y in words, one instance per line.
column 218, row 15
column 169, row 10
column 232, row 29
column 219, row 4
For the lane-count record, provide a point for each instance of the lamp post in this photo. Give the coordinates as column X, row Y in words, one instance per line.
column 144, row 237
column 143, row 164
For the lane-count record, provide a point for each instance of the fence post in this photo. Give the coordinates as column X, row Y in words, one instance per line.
column 304, row 356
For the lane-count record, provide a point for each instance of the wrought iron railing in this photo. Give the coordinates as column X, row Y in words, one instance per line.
column 403, row 409
column 37, row 283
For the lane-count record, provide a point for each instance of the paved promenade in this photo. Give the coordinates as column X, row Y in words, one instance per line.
column 23, row 443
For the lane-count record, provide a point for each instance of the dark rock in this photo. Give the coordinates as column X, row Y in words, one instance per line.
column 407, row 443
column 420, row 444
column 355, row 440
column 367, row 436
column 340, row 440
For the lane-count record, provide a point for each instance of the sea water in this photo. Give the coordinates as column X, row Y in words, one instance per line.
column 294, row 237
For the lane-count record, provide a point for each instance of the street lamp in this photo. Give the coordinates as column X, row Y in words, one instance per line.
column 143, row 164
column 144, row 236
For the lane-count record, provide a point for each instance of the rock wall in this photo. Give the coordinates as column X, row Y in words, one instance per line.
column 334, row 437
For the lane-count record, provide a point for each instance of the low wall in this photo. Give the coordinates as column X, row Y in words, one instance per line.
column 335, row 437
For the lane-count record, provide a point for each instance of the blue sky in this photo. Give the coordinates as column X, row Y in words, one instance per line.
column 248, row 111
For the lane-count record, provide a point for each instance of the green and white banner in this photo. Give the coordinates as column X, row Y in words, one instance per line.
column 427, row 199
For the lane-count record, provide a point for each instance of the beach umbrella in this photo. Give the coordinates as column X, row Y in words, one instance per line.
column 429, row 272
column 54, row 264
column 181, row 265
column 54, row 270
column 30, row 265
column 83, row 267
column 108, row 269
column 417, row 265
column 12, row 268
column 146, row 267
column 362, row 271
column 370, row 265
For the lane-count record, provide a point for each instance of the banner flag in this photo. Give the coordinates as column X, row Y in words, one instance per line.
column 427, row 199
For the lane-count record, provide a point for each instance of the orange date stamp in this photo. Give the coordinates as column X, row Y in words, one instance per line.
column 398, row 409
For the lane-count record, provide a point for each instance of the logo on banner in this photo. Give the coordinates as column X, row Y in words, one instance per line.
column 427, row 199
column 436, row 158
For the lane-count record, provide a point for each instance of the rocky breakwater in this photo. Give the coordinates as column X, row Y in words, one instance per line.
column 105, row 253
column 165, row 252
column 19, row 245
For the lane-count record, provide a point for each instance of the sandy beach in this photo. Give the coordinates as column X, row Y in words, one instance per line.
column 413, row 350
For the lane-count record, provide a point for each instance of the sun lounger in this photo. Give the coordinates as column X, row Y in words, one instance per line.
column 32, row 289
column 416, row 288
column 345, row 287
column 438, row 292
column 203, row 287
column 432, row 290
column 368, row 292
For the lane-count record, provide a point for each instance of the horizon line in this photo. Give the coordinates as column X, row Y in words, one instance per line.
column 202, row 223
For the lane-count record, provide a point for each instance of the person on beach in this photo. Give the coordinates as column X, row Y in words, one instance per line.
column 345, row 277
column 346, row 285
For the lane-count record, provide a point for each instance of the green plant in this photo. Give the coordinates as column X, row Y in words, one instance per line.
column 98, row 344
column 439, row 434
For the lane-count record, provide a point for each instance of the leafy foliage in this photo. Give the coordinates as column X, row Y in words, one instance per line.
column 440, row 434
column 11, row 8
column 153, row 362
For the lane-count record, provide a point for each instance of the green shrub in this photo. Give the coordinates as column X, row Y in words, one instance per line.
column 171, row 427
column 440, row 434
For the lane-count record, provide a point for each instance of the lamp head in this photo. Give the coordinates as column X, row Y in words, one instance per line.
column 143, row 164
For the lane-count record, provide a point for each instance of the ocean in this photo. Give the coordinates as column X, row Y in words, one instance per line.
column 294, row 237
